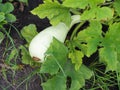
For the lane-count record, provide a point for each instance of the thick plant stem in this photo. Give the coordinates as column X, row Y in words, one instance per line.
column 76, row 29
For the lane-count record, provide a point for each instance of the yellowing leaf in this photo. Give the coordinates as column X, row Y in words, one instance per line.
column 54, row 11
column 76, row 58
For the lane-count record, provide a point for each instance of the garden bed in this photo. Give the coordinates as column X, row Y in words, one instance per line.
column 18, row 74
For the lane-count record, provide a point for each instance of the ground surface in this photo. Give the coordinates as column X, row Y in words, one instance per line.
column 20, row 80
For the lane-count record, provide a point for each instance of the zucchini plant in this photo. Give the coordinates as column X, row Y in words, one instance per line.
column 97, row 31
column 5, row 16
column 5, row 13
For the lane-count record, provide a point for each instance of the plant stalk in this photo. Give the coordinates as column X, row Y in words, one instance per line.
column 76, row 29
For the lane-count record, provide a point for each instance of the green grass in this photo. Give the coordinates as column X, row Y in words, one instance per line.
column 101, row 80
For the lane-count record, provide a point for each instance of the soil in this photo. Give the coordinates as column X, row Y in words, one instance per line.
column 19, row 80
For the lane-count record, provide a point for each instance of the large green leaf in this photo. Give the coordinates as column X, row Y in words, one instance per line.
column 28, row 32
column 76, row 3
column 117, row 6
column 54, row 11
column 90, row 36
column 103, row 13
column 56, row 83
column 109, row 56
column 77, row 77
column 81, row 3
column 111, row 47
column 56, row 56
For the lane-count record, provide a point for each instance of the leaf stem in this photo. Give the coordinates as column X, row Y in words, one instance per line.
column 76, row 29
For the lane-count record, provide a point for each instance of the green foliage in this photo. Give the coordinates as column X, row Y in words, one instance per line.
column 76, row 58
column 81, row 4
column 111, row 49
column 54, row 11
column 99, row 32
column 56, row 64
column 56, row 56
column 28, row 32
column 116, row 6
column 58, row 82
column 1, row 37
column 11, row 56
column 5, row 13
column 97, row 13
column 10, row 17
column 90, row 37
column 6, row 8
column 26, row 59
